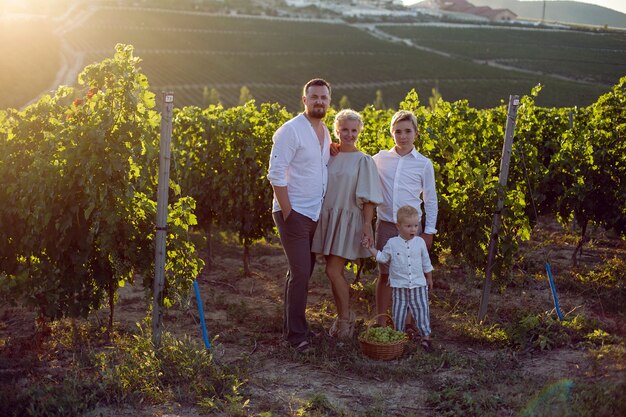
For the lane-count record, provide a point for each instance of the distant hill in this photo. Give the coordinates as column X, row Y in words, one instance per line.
column 560, row 11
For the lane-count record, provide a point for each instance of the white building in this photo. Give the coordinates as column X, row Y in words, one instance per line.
column 330, row 3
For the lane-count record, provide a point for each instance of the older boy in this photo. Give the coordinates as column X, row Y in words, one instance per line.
column 407, row 178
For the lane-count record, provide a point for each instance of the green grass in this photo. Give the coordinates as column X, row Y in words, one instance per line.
column 507, row 367
column 90, row 368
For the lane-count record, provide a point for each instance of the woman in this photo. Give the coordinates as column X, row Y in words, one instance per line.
column 346, row 217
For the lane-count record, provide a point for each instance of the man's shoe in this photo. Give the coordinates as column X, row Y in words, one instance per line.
column 303, row 347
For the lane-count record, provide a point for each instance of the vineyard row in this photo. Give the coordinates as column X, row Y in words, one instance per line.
column 79, row 169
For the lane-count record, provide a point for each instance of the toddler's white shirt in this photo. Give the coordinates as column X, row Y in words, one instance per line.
column 408, row 261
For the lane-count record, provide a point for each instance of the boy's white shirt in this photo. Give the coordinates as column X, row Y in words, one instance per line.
column 406, row 180
column 408, row 261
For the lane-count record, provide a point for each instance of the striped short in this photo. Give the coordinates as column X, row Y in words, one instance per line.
column 415, row 299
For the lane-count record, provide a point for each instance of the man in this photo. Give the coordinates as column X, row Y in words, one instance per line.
column 298, row 175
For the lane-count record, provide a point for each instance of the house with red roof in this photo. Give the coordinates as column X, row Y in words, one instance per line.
column 464, row 6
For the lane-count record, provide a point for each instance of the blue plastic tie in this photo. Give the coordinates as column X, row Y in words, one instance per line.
column 205, row 336
column 554, row 296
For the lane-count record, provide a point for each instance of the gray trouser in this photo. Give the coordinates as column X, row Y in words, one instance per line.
column 296, row 236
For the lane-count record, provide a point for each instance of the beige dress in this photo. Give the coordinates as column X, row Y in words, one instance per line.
column 352, row 181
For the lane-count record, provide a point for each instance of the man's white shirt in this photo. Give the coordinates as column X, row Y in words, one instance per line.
column 299, row 163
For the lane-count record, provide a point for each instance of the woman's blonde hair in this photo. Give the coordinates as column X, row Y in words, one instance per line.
column 348, row 114
column 401, row 116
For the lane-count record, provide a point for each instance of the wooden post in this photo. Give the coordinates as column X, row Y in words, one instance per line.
column 161, row 220
column 571, row 120
column 495, row 228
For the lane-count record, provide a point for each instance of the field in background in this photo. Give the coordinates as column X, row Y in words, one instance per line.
column 190, row 53
column 597, row 58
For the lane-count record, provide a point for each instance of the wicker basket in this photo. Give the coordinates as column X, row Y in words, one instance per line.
column 382, row 351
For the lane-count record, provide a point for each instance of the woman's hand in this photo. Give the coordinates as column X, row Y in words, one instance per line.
column 367, row 238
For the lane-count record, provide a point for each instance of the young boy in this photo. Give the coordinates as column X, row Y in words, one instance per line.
column 410, row 272
column 407, row 178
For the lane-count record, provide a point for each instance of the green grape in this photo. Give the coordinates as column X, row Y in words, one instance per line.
column 382, row 335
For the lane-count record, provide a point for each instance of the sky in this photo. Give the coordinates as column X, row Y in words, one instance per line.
column 619, row 5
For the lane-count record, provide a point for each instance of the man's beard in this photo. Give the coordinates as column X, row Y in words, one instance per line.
column 318, row 112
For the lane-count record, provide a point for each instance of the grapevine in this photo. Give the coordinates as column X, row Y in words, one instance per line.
column 80, row 172
column 78, row 168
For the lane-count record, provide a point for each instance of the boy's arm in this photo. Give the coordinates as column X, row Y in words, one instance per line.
column 381, row 256
column 429, row 280
column 429, row 195
column 427, row 266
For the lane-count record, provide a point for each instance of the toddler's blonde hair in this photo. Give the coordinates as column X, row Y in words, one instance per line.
column 405, row 212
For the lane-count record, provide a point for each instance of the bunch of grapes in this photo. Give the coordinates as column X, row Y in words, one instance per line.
column 382, row 335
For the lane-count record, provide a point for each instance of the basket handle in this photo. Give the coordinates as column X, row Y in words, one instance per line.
column 374, row 320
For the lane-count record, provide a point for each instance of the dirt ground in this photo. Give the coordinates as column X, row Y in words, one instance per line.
column 244, row 320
